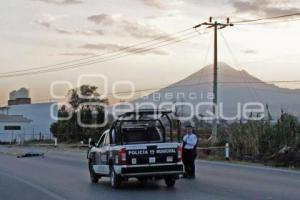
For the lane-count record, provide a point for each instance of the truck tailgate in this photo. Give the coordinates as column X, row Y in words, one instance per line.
column 152, row 154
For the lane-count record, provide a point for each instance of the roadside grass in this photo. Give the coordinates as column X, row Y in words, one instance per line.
column 246, row 163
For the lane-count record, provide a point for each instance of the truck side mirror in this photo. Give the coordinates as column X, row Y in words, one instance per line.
column 92, row 144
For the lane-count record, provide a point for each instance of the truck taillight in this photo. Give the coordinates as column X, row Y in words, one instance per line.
column 179, row 153
column 122, row 156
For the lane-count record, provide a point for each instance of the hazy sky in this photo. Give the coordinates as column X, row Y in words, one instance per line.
column 35, row 33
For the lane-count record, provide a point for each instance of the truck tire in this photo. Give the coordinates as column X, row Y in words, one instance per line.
column 93, row 175
column 115, row 180
column 170, row 182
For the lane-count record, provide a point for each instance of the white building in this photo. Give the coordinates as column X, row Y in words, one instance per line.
column 13, row 127
column 40, row 118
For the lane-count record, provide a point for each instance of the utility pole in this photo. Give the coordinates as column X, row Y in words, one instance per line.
column 216, row 25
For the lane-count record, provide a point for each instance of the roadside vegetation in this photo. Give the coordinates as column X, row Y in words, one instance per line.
column 275, row 143
column 68, row 130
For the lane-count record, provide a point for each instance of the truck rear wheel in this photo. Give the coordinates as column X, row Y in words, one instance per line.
column 115, row 180
column 94, row 177
column 170, row 182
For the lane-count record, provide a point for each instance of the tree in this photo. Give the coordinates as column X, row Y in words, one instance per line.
column 86, row 102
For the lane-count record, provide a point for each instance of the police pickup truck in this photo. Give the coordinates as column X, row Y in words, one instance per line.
column 138, row 145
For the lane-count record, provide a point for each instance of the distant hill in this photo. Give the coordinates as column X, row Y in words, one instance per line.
column 234, row 86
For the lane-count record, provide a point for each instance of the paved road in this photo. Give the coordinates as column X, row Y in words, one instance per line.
column 61, row 176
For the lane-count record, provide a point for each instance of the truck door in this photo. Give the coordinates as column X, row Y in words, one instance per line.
column 98, row 164
column 104, row 154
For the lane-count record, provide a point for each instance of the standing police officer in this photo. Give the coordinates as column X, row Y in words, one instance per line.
column 190, row 141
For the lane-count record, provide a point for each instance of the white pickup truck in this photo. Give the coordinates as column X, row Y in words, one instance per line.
column 137, row 146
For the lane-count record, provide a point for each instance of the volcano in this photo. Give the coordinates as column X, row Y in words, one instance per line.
column 234, row 87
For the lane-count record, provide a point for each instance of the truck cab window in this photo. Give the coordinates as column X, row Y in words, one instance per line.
column 101, row 140
column 141, row 135
column 106, row 140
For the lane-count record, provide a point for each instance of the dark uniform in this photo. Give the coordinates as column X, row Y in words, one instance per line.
column 189, row 153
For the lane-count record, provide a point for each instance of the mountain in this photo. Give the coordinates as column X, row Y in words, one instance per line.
column 234, row 87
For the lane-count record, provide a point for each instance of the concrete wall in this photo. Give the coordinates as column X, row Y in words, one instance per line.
column 11, row 135
column 41, row 119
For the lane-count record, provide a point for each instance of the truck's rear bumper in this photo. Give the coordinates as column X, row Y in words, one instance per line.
column 149, row 170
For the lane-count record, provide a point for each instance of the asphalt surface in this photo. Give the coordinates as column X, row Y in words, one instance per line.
column 60, row 176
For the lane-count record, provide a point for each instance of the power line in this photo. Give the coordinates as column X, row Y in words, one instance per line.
column 270, row 22
column 235, row 60
column 130, row 47
column 205, row 58
column 268, row 18
column 105, row 59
